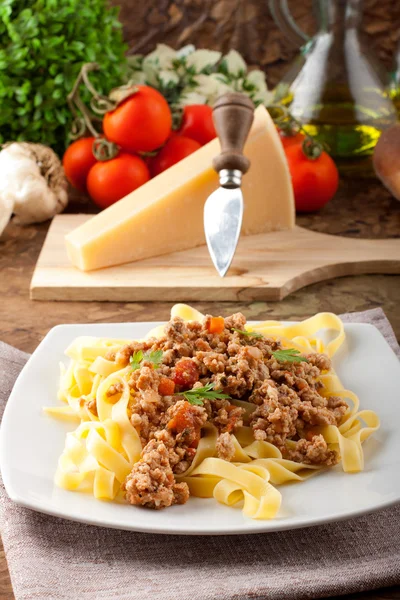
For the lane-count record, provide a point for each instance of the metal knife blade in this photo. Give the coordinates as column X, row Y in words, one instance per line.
column 223, row 214
column 223, row 210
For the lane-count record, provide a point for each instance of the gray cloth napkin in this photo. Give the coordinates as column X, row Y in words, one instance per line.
column 50, row 558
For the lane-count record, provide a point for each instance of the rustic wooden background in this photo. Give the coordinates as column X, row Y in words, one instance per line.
column 245, row 25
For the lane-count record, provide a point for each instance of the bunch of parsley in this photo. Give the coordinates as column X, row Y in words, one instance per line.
column 43, row 45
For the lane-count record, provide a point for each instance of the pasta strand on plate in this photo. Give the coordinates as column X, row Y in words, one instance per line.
column 208, row 407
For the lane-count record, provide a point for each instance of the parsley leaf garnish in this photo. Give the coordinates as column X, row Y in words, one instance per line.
column 194, row 400
column 289, row 355
column 197, row 395
column 138, row 357
column 253, row 334
column 154, row 357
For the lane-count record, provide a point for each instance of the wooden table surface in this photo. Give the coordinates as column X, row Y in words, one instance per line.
column 360, row 209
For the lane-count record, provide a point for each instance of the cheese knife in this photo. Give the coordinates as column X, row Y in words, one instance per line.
column 233, row 115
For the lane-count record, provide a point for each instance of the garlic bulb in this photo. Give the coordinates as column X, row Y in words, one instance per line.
column 33, row 186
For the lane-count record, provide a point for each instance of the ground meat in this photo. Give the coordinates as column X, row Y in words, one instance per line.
column 169, row 356
column 145, row 378
column 110, row 355
column 172, row 449
column 151, row 482
column 314, row 452
column 210, row 361
column 226, row 416
column 274, row 423
column 181, row 492
column 180, row 453
column 225, row 446
column 146, row 406
column 146, row 381
column 263, row 389
column 202, row 345
column 184, row 349
column 176, row 330
column 321, row 361
column 145, row 424
column 236, row 321
column 240, row 374
column 115, row 388
column 288, row 398
column 338, row 406
column 307, row 394
column 315, row 416
column 92, row 406
column 233, row 348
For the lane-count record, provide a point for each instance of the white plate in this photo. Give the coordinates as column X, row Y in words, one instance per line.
column 31, row 442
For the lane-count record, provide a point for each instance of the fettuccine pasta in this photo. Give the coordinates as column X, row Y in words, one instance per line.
column 103, row 390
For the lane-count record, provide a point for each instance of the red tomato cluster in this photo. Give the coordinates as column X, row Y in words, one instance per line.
column 140, row 126
column 315, row 179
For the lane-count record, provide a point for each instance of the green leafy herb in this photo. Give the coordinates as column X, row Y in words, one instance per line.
column 289, row 355
column 194, row 400
column 197, row 395
column 253, row 334
column 43, row 46
column 154, row 357
column 138, row 357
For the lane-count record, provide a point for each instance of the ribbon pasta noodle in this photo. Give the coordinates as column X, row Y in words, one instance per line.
column 104, row 447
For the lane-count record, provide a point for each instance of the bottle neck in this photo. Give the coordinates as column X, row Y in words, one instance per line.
column 337, row 16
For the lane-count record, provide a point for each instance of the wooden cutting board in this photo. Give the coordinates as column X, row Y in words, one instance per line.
column 266, row 267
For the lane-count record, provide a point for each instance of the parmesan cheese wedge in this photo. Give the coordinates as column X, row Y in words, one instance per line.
column 166, row 214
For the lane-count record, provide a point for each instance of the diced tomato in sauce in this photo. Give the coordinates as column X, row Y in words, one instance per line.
column 185, row 419
column 216, row 325
column 166, row 387
column 186, row 373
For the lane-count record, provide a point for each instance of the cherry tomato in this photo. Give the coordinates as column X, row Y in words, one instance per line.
column 291, row 140
column 77, row 162
column 186, row 373
column 141, row 123
column 198, row 124
column 175, row 149
column 315, row 181
column 110, row 180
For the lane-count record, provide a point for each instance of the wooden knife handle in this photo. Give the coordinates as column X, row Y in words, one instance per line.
column 233, row 115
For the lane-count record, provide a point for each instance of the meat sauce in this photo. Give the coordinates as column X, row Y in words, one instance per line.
column 287, row 399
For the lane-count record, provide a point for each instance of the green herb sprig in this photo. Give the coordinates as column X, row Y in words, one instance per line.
column 289, row 355
column 253, row 334
column 43, row 47
column 197, row 395
column 139, row 357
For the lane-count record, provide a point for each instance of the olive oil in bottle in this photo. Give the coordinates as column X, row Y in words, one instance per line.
column 335, row 88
